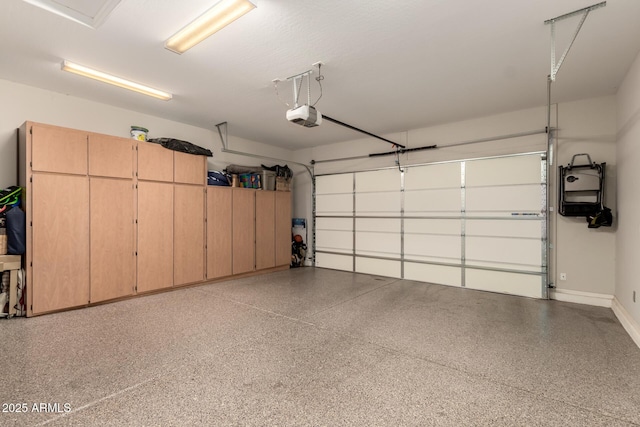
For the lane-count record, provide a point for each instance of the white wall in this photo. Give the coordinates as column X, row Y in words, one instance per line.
column 628, row 182
column 21, row 103
column 586, row 256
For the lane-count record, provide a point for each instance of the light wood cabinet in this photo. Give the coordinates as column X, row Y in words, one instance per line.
column 55, row 149
column 283, row 228
column 112, row 238
column 155, row 236
column 190, row 169
column 243, row 230
column 219, row 231
column 188, row 235
column 60, row 242
column 155, row 163
column 111, row 156
column 111, row 217
column 265, row 229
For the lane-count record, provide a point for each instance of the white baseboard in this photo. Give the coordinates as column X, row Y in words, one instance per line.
column 578, row 297
column 628, row 323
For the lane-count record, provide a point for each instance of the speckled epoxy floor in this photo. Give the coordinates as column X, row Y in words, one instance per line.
column 321, row 348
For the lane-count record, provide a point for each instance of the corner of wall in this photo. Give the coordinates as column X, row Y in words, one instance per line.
column 628, row 323
column 628, row 180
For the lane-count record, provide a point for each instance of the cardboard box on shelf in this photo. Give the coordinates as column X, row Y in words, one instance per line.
column 283, row 184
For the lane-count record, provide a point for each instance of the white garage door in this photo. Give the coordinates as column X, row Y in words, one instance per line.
column 479, row 224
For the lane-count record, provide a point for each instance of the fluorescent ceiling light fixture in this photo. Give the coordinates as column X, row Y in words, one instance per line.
column 116, row 81
column 219, row 16
column 90, row 13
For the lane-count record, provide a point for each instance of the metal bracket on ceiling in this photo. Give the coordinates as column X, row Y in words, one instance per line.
column 297, row 86
column 555, row 67
column 224, row 138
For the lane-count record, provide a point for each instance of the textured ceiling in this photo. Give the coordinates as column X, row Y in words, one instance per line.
column 389, row 66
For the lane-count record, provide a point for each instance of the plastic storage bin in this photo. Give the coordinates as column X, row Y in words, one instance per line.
column 268, row 180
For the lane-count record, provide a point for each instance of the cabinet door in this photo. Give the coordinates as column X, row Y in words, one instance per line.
column 56, row 149
column 60, row 237
column 188, row 235
column 155, row 163
column 219, row 223
column 112, row 238
column 243, row 230
column 155, row 236
column 110, row 156
column 265, row 229
column 189, row 168
column 283, row 228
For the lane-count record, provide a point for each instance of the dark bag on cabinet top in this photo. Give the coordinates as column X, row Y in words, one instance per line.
column 16, row 231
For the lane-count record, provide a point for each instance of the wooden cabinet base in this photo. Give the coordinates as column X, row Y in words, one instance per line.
column 175, row 288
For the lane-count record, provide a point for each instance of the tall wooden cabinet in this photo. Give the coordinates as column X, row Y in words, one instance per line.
column 58, row 256
column 243, row 224
column 190, row 173
column 219, row 232
column 111, row 217
column 247, row 230
column 188, row 237
column 155, row 217
column 265, row 229
column 112, row 251
column 155, row 236
column 79, row 200
column 283, row 228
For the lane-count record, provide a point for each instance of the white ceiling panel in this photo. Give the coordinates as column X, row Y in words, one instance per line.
column 88, row 12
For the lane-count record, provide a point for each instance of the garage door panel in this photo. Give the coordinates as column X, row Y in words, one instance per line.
column 334, row 204
column 446, row 175
column 439, row 274
column 507, row 250
column 378, row 224
column 378, row 237
column 378, row 181
column 382, row 244
column 378, row 267
column 503, row 171
column 335, row 224
column 505, row 228
column 381, row 204
column 509, row 266
column 334, row 262
column 433, row 226
column 504, row 199
column 507, row 283
column 434, row 201
column 334, row 241
column 332, row 184
column 420, row 245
